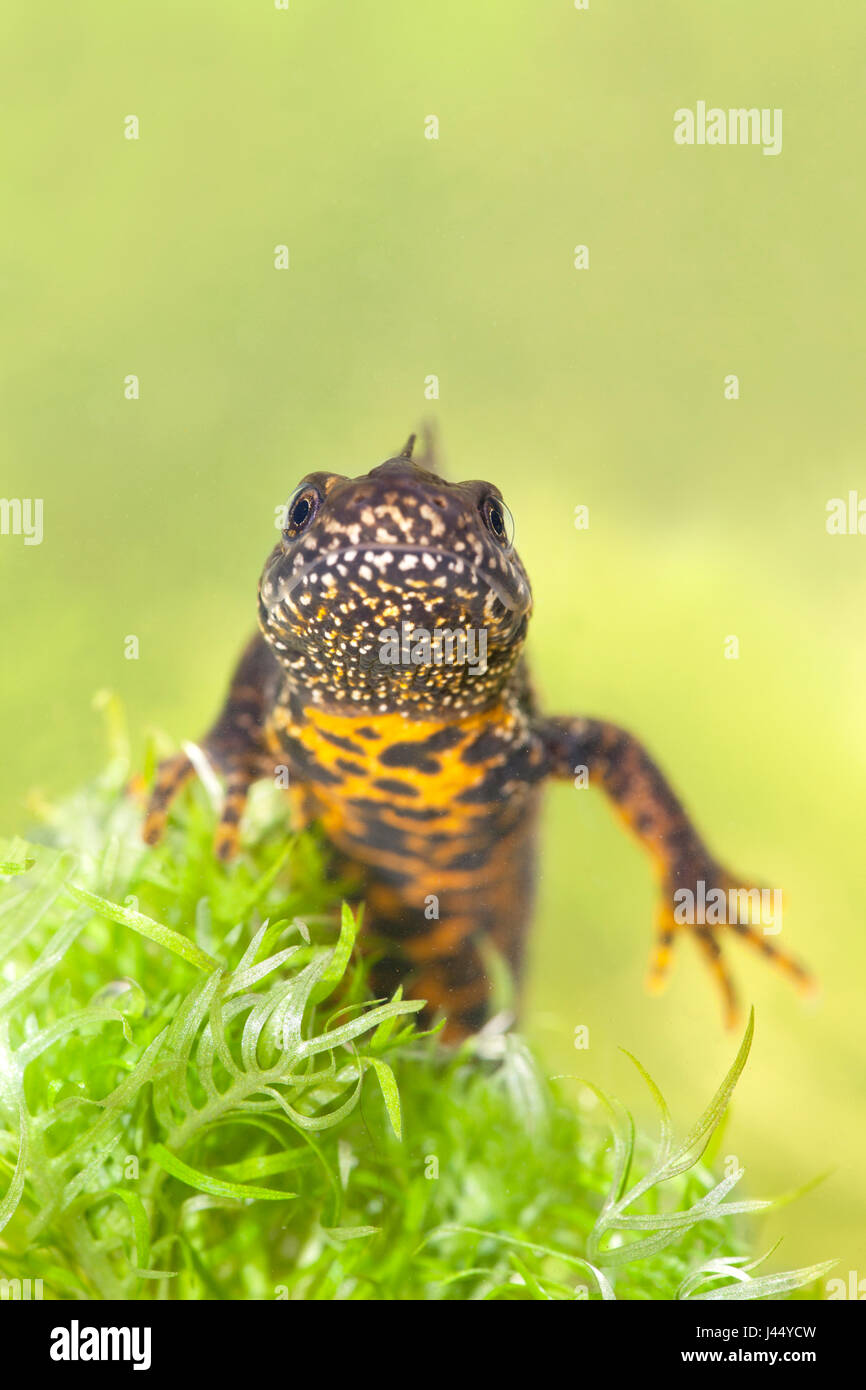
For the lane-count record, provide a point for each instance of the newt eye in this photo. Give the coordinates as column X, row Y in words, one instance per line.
column 302, row 507
column 498, row 520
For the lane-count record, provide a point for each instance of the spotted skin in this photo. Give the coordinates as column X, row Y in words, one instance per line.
column 425, row 776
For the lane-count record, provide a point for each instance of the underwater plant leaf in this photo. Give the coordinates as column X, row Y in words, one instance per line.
column 145, row 926
column 206, row 1182
column 767, row 1286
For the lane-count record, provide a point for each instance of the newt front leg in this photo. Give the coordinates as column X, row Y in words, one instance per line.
column 236, row 745
column 618, row 764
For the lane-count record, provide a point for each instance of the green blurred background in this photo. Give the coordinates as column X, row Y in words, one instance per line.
column 604, row 387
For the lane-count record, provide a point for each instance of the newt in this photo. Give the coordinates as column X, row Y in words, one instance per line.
column 425, row 774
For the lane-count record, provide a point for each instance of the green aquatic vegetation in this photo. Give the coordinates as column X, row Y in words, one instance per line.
column 198, row 1099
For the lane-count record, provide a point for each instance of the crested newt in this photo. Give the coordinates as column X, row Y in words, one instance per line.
column 425, row 767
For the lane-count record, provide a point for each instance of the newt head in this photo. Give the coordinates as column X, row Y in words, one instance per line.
column 364, row 563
